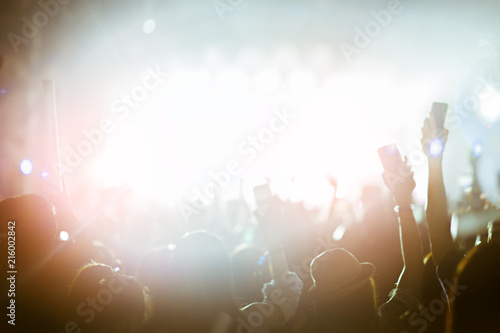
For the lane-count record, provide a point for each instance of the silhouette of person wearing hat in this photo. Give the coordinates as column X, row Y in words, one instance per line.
column 343, row 294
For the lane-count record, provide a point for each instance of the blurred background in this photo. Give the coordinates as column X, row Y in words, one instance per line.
column 160, row 96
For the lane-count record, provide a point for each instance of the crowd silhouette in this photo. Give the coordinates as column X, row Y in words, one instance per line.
column 277, row 269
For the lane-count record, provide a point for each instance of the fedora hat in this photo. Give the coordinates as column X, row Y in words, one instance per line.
column 337, row 273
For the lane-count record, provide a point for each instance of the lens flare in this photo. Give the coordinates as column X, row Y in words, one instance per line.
column 26, row 167
column 436, row 147
column 149, row 26
column 64, row 236
column 477, row 149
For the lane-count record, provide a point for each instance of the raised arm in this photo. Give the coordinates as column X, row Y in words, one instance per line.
column 269, row 224
column 433, row 142
column 411, row 244
column 282, row 294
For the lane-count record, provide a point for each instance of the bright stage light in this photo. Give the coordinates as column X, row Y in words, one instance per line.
column 231, row 80
column 490, row 105
column 339, row 232
column 477, row 149
column 133, row 159
column 267, row 81
column 26, row 167
column 64, row 236
column 188, row 126
column 44, row 174
column 302, row 82
column 149, row 26
column 315, row 191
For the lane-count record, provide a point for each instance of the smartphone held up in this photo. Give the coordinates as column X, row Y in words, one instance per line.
column 390, row 157
column 263, row 197
column 438, row 113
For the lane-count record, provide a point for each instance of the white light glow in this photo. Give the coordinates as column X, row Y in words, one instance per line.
column 302, row 82
column 149, row 26
column 465, row 180
column 341, row 191
column 131, row 158
column 314, row 191
column 339, row 232
column 477, row 149
column 490, row 104
column 231, row 80
column 64, row 236
column 266, row 81
column 26, row 167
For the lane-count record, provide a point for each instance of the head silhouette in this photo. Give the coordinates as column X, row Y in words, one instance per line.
column 201, row 283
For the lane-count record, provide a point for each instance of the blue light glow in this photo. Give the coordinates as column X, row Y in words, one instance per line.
column 436, row 147
column 26, row 167
column 477, row 149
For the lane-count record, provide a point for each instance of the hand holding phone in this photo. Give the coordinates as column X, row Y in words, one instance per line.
column 438, row 113
column 263, row 197
column 398, row 175
column 390, row 157
column 434, row 135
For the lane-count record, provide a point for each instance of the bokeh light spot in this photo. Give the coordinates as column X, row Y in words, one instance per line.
column 149, row 26
column 436, row 147
column 26, row 167
column 64, row 236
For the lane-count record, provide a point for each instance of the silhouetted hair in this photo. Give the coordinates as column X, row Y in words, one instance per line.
column 201, row 287
column 29, row 224
column 250, row 267
column 475, row 296
column 356, row 312
column 101, row 300
column 35, row 228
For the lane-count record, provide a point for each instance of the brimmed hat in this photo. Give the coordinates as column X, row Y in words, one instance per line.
column 337, row 273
